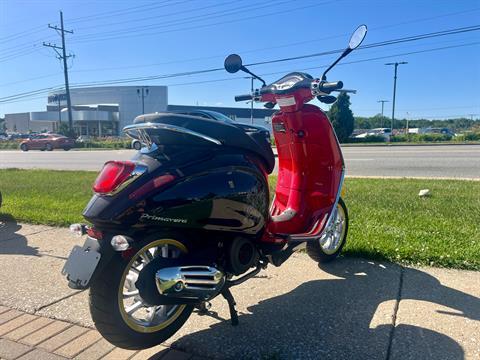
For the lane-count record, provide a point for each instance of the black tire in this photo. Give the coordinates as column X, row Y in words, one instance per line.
column 315, row 250
column 137, row 145
column 24, row 147
column 49, row 147
column 108, row 318
column 67, row 148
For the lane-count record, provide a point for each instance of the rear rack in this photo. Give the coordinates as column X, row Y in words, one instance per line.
column 140, row 132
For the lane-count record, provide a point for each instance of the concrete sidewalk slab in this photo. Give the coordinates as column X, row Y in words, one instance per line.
column 344, row 310
column 438, row 315
column 32, row 257
column 296, row 310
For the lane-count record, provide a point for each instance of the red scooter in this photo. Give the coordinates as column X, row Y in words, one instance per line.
column 188, row 217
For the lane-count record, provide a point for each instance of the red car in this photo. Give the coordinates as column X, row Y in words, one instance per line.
column 47, row 142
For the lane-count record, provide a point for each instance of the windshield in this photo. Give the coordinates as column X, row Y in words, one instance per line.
column 219, row 116
column 290, row 80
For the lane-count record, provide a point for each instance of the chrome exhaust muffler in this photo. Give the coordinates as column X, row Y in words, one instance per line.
column 193, row 281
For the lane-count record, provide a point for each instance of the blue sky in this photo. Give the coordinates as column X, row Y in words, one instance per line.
column 121, row 39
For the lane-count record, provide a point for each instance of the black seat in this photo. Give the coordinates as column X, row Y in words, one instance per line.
column 228, row 134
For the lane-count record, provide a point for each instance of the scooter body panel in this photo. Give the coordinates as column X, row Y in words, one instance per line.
column 212, row 190
column 310, row 170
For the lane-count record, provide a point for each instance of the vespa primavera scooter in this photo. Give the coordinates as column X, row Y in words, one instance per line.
column 189, row 217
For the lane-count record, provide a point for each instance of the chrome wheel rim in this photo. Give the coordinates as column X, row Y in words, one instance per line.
column 135, row 312
column 334, row 234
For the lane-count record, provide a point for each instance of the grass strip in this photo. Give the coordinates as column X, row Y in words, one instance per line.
column 388, row 220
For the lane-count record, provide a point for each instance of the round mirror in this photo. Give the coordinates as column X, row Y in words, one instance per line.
column 233, row 63
column 357, row 37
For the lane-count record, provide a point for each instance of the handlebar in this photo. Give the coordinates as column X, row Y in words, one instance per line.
column 243, row 97
column 317, row 87
column 327, row 87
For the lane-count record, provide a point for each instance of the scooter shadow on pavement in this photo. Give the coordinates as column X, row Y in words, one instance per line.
column 12, row 243
column 346, row 315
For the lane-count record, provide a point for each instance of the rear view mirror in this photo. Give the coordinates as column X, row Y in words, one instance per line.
column 233, row 63
column 357, row 37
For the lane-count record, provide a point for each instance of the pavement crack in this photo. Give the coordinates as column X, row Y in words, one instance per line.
column 58, row 300
column 15, row 236
column 395, row 312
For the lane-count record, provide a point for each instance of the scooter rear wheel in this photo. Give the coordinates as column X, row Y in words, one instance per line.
column 119, row 312
column 331, row 243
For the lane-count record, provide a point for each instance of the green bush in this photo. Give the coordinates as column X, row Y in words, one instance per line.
column 471, row 136
column 421, row 138
column 11, row 144
column 105, row 144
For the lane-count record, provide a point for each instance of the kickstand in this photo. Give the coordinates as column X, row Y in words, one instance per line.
column 231, row 305
column 204, row 308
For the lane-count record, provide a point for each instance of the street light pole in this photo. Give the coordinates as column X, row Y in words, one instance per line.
column 143, row 93
column 395, row 64
column 383, row 103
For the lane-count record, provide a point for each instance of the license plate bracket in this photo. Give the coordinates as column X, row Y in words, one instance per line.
column 81, row 264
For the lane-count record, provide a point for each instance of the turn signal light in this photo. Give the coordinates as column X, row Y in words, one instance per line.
column 120, row 242
column 113, row 174
column 77, row 229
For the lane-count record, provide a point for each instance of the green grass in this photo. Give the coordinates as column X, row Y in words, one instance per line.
column 45, row 196
column 388, row 220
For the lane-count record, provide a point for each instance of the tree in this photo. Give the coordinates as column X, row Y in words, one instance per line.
column 342, row 117
column 63, row 129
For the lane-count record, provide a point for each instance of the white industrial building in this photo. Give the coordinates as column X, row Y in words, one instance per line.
column 104, row 111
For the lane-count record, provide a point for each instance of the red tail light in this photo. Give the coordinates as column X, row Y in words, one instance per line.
column 113, row 174
column 94, row 233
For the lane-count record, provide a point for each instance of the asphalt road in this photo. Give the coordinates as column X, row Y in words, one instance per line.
column 440, row 161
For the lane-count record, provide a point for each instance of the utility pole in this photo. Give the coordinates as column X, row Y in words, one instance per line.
column 383, row 103
column 143, row 93
column 63, row 56
column 59, row 112
column 251, row 103
column 395, row 64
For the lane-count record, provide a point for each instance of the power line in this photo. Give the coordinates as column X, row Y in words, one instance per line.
column 184, row 20
column 383, row 43
column 143, row 18
column 263, row 15
column 121, row 12
column 57, row 88
column 196, row 72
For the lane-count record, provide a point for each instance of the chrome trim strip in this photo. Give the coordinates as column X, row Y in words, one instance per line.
column 129, row 129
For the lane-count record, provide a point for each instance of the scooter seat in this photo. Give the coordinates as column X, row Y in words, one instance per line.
column 228, row 134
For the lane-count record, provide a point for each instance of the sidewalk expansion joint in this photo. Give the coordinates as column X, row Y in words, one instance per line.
column 395, row 312
column 58, row 300
column 15, row 235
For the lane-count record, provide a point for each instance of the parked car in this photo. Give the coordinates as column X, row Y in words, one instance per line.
column 47, row 142
column 83, row 138
column 136, row 144
column 385, row 132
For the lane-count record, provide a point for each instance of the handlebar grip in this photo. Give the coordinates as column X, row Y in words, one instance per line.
column 243, row 97
column 327, row 87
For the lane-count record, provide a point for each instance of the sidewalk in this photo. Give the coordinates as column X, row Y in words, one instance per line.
column 353, row 308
